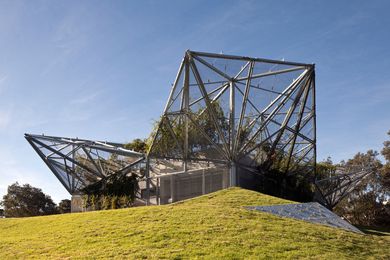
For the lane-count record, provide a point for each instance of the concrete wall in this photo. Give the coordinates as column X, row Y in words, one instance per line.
column 76, row 203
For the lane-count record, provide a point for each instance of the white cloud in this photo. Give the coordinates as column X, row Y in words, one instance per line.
column 85, row 99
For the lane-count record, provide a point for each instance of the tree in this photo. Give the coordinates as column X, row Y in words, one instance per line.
column 386, row 168
column 368, row 204
column 138, row 145
column 64, row 206
column 325, row 168
column 1, row 213
column 25, row 201
column 386, row 149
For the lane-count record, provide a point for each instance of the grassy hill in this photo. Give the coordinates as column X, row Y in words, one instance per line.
column 212, row 226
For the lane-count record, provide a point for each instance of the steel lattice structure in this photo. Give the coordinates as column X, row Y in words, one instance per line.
column 226, row 117
column 78, row 163
column 248, row 112
column 331, row 190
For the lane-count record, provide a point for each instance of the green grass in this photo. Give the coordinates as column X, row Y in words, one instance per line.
column 214, row 226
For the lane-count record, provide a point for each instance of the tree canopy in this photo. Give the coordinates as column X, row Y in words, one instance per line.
column 138, row 145
column 64, row 206
column 368, row 204
column 25, row 200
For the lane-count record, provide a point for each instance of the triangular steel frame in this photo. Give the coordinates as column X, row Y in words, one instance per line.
column 221, row 98
column 78, row 163
column 338, row 185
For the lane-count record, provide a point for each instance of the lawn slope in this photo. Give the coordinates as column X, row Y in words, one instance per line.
column 211, row 226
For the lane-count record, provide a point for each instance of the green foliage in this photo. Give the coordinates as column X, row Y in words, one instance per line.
column 165, row 144
column 114, row 202
column 214, row 226
column 385, row 172
column 105, row 193
column 368, row 204
column 386, row 149
column 206, row 123
column 64, row 206
column 295, row 184
column 26, row 201
column 106, row 202
column 297, row 187
column 365, row 210
column 325, row 169
column 245, row 131
column 138, row 145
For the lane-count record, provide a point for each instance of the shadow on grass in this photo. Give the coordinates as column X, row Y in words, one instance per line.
column 377, row 231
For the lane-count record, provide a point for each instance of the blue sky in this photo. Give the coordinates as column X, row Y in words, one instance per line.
column 103, row 69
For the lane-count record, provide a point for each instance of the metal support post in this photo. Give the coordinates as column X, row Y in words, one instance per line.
column 147, row 175
column 233, row 175
column 203, row 182
column 314, row 121
column 158, row 191
column 172, row 188
column 186, row 97
column 232, row 120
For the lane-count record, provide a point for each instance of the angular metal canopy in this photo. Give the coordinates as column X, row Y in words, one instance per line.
column 78, row 163
column 334, row 188
column 251, row 112
column 247, row 114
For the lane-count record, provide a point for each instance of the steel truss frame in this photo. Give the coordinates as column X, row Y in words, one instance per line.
column 78, row 163
column 331, row 190
column 243, row 111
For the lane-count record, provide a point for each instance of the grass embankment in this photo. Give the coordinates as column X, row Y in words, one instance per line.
column 212, row 226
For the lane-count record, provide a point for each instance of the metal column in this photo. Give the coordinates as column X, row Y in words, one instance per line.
column 233, row 175
column 186, row 97
column 147, row 175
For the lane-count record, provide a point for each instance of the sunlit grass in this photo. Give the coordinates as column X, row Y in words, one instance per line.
column 211, row 226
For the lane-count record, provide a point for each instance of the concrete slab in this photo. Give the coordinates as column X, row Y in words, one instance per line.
column 311, row 212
